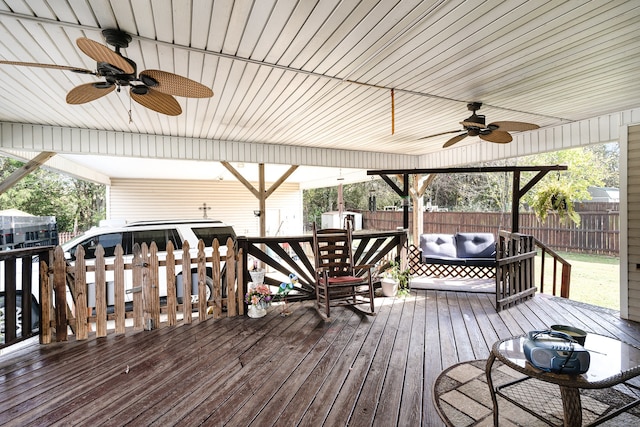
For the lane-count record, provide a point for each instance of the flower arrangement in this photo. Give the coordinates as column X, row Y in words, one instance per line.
column 260, row 295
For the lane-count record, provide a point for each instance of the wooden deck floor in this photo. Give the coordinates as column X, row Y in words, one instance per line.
column 284, row 371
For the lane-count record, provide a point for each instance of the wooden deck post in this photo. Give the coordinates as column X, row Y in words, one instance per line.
column 45, row 304
column 60, row 293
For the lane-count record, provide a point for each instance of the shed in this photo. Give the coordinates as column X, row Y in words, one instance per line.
column 336, row 219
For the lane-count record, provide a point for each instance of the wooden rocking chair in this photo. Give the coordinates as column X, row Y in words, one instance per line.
column 338, row 281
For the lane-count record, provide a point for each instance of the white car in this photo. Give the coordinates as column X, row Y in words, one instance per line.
column 140, row 232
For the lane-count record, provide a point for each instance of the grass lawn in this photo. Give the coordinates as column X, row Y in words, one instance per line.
column 595, row 279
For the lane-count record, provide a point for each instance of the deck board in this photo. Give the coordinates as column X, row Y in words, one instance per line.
column 278, row 371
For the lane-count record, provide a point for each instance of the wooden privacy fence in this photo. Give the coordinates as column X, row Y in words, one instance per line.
column 598, row 232
column 64, row 299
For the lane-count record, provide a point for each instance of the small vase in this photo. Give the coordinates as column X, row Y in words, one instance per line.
column 257, row 311
column 257, row 276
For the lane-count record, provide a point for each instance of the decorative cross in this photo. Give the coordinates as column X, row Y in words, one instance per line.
column 204, row 208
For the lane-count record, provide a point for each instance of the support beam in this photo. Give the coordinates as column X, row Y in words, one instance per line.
column 261, row 193
column 25, row 170
column 262, row 201
column 402, row 192
column 417, row 190
column 517, row 191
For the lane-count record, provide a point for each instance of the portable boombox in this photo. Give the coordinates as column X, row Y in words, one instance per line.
column 556, row 352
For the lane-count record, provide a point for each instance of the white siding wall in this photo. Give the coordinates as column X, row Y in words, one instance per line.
column 230, row 202
column 632, row 263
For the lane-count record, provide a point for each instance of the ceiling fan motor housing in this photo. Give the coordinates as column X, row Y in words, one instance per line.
column 478, row 119
column 118, row 39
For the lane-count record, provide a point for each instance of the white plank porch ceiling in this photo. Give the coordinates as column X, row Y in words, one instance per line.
column 318, row 74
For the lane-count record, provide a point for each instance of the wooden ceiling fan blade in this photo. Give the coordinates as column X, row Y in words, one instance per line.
column 455, row 140
column 101, row 53
column 497, row 136
column 173, row 84
column 53, row 66
column 440, row 134
column 513, row 126
column 88, row 92
column 157, row 101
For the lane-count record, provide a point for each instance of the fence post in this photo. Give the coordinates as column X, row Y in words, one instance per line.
column 240, row 290
column 118, row 289
column 232, row 289
column 60, row 294
column 186, row 283
column 147, row 290
column 243, row 249
column 402, row 249
column 202, row 283
column 171, row 285
column 217, row 282
column 153, row 273
column 137, row 288
column 80, row 299
column 101, row 293
column 45, row 303
column 566, row 277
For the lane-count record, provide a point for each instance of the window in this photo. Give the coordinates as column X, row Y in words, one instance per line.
column 161, row 237
column 207, row 234
column 108, row 242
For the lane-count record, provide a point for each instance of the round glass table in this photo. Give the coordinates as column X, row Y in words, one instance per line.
column 612, row 362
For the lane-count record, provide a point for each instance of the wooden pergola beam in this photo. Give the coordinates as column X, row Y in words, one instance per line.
column 261, row 193
column 25, row 170
column 516, row 170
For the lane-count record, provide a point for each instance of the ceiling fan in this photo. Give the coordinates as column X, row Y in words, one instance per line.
column 493, row 132
column 153, row 89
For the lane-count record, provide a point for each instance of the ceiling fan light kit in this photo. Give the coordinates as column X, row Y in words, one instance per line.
column 153, row 89
column 496, row 132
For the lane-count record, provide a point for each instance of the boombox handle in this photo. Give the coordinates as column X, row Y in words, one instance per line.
column 533, row 335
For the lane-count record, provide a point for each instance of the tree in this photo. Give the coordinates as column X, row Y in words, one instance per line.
column 585, row 169
column 484, row 192
column 75, row 204
column 479, row 192
column 608, row 156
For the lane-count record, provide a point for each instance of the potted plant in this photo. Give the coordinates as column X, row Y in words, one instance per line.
column 395, row 280
column 258, row 299
column 555, row 198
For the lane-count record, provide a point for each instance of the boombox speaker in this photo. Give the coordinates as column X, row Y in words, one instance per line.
column 556, row 352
